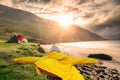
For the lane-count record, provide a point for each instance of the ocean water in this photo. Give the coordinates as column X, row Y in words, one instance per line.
column 112, row 44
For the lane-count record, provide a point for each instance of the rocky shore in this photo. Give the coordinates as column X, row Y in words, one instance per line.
column 98, row 72
column 95, row 72
column 110, row 70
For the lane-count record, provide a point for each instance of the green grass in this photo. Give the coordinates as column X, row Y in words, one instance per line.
column 12, row 71
column 86, row 77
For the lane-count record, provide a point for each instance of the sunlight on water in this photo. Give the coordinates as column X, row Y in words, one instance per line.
column 95, row 44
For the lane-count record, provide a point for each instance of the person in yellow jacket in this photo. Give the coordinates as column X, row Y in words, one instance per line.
column 57, row 64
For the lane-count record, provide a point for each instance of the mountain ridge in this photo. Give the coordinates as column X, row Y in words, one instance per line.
column 38, row 29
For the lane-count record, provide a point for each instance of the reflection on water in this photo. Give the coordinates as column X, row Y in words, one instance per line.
column 113, row 44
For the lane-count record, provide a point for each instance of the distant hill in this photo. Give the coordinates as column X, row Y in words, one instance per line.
column 110, row 29
column 107, row 31
column 38, row 29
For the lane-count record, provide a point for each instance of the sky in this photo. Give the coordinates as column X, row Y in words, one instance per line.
column 85, row 13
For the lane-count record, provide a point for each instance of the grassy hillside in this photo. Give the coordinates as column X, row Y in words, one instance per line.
column 13, row 71
column 38, row 29
column 10, row 71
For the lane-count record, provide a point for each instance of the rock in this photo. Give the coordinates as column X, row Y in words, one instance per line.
column 88, row 69
column 113, row 71
column 103, row 67
column 97, row 72
column 104, row 73
column 100, row 56
column 116, row 78
column 101, row 76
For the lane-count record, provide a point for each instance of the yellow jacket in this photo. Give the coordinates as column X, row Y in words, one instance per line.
column 57, row 65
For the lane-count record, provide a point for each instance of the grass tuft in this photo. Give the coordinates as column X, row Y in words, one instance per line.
column 10, row 71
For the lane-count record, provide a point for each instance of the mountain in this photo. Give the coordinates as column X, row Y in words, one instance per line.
column 110, row 29
column 107, row 32
column 39, row 29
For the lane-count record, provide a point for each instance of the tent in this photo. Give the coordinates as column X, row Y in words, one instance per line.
column 17, row 39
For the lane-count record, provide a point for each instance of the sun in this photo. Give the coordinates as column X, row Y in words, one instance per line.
column 65, row 20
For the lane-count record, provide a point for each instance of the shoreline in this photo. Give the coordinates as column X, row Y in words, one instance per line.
column 84, row 52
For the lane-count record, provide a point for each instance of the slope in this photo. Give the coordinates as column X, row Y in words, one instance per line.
column 38, row 29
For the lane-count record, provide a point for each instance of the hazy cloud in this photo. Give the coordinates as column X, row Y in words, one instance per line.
column 89, row 12
column 93, row 11
column 109, row 31
column 6, row 2
column 110, row 26
column 117, row 2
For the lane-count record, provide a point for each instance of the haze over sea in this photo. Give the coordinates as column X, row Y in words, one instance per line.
column 106, row 44
column 83, row 49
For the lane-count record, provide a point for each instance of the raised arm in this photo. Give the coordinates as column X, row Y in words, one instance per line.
column 84, row 61
column 26, row 60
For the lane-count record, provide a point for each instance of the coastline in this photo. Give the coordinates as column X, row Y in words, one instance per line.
column 84, row 52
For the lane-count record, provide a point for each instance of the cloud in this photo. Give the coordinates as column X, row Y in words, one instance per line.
column 109, row 31
column 110, row 27
column 6, row 2
column 117, row 2
column 93, row 12
column 99, row 16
